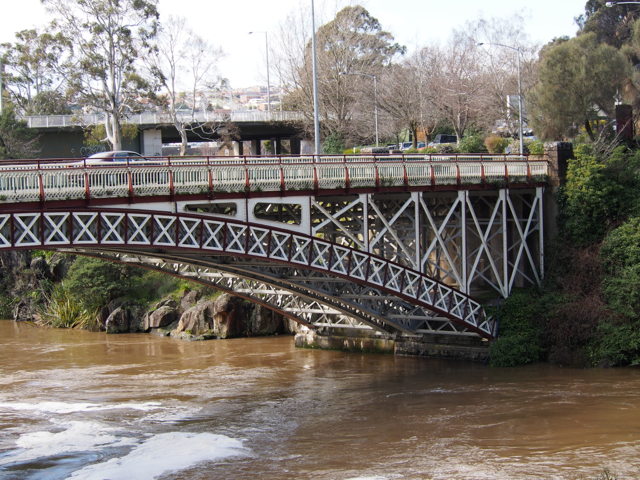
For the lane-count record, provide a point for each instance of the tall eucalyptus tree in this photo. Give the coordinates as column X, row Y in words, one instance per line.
column 107, row 38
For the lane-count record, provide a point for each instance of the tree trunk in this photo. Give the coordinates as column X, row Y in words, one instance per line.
column 112, row 129
column 183, row 136
column 587, row 126
column 414, row 133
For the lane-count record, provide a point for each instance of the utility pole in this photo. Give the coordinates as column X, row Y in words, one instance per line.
column 266, row 42
column 1, row 86
column 316, row 121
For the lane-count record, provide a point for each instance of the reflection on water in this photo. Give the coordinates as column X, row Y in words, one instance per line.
column 91, row 406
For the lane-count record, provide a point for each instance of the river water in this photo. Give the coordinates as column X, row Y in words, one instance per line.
column 83, row 405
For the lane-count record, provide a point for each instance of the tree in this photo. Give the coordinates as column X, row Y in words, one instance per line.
column 96, row 282
column 576, row 78
column 454, row 82
column 611, row 25
column 183, row 62
column 34, row 75
column 353, row 42
column 17, row 140
column 499, row 66
column 107, row 38
column 400, row 95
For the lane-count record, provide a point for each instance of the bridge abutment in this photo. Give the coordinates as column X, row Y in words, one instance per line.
column 468, row 348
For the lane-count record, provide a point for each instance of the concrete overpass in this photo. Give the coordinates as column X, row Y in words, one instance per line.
column 62, row 136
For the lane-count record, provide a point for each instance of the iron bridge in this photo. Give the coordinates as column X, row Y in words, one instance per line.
column 400, row 244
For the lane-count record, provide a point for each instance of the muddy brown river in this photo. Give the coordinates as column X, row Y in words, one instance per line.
column 84, row 405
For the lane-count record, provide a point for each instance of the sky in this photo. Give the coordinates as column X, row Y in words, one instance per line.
column 412, row 22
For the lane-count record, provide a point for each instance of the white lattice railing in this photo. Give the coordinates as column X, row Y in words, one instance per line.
column 120, row 229
column 29, row 180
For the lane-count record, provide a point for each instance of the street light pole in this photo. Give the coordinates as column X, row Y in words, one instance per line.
column 1, row 86
column 316, row 121
column 517, row 50
column 375, row 97
column 266, row 42
column 613, row 4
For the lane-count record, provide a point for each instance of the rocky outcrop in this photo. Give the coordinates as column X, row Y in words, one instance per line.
column 197, row 320
column 118, row 321
column 39, row 268
column 123, row 317
column 229, row 318
column 59, row 265
column 161, row 317
column 263, row 321
column 189, row 300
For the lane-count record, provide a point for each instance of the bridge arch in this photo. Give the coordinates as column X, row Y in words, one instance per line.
column 353, row 283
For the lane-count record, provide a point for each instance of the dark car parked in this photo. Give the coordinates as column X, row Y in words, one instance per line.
column 443, row 138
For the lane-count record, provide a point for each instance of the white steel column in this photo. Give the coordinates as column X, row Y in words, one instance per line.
column 540, row 195
column 364, row 199
column 505, row 245
column 462, row 197
column 416, row 223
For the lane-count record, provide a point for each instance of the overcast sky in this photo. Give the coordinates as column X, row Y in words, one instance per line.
column 413, row 22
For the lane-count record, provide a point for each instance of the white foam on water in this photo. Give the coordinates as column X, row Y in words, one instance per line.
column 76, row 437
column 175, row 415
column 368, row 478
column 61, row 408
column 163, row 453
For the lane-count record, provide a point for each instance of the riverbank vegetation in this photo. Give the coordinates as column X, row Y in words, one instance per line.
column 65, row 291
column 588, row 311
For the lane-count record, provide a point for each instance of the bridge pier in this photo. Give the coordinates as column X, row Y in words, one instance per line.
column 255, row 148
column 152, row 142
column 430, row 346
column 295, row 145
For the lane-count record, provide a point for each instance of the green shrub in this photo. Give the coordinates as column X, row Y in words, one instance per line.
column 428, row 150
column 621, row 266
column 410, row 151
column 590, row 202
column 518, row 340
column 535, row 147
column 495, row 144
column 620, row 344
column 472, row 144
column 447, row 148
column 94, row 283
column 334, row 143
column 63, row 311
column 351, row 151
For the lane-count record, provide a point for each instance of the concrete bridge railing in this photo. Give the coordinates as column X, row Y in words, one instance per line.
column 159, row 118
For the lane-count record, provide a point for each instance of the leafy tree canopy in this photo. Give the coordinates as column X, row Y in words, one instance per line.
column 576, row 78
column 96, row 282
column 17, row 140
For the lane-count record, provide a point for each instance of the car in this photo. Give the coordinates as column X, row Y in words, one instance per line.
column 442, row 138
column 112, row 156
column 408, row 145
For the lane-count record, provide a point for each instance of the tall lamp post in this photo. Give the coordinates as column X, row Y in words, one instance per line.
column 316, row 120
column 517, row 50
column 375, row 96
column 266, row 42
column 1, row 86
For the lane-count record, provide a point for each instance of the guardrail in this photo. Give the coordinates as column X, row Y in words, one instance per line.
column 67, row 179
column 155, row 118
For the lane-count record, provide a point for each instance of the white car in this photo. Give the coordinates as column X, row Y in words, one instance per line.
column 112, row 156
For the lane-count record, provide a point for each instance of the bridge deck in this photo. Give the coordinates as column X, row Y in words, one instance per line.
column 72, row 179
